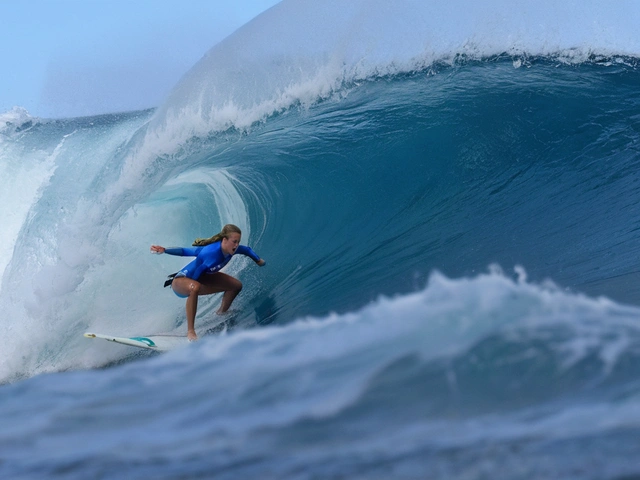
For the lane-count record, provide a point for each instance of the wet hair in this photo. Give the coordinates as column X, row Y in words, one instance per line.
column 227, row 230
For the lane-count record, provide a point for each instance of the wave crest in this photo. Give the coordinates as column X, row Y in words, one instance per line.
column 302, row 51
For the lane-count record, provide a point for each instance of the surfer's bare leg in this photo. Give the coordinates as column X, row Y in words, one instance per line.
column 190, row 288
column 208, row 284
column 192, row 309
column 221, row 282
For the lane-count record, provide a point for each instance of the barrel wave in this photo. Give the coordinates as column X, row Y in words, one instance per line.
column 450, row 218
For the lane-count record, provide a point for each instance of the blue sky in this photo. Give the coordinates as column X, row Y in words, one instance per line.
column 67, row 58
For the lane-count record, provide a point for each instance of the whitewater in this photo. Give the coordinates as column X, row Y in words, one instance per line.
column 448, row 201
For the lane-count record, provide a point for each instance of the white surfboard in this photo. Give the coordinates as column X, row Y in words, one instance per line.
column 159, row 343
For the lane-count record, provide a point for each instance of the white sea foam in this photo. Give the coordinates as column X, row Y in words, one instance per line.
column 22, row 178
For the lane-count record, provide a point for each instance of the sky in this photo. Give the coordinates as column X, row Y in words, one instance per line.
column 70, row 58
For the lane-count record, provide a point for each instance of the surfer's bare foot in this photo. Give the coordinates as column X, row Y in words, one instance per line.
column 191, row 335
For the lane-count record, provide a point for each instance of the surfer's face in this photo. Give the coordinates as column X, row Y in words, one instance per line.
column 230, row 244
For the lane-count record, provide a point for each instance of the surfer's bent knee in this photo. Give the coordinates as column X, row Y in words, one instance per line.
column 185, row 288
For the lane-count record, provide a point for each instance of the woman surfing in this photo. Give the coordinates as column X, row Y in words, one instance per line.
column 203, row 276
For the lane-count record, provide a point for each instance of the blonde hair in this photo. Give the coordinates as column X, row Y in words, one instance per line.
column 224, row 233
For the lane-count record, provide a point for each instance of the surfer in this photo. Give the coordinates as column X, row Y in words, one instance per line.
column 202, row 276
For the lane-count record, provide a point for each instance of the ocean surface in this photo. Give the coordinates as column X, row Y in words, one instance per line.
column 448, row 201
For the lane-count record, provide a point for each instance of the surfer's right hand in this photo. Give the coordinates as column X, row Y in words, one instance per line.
column 191, row 335
column 157, row 249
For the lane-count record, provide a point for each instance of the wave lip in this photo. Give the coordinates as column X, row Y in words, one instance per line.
column 15, row 120
column 300, row 51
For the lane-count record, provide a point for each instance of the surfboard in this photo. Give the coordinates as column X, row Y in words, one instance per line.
column 159, row 343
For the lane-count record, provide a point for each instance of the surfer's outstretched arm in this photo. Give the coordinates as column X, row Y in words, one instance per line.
column 178, row 251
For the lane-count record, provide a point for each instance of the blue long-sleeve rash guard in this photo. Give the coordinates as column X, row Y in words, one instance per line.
column 209, row 259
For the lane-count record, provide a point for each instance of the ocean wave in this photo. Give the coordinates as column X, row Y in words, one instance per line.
column 398, row 162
